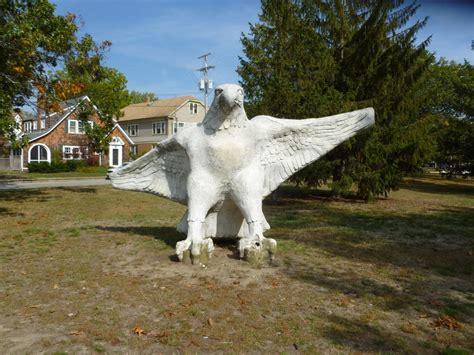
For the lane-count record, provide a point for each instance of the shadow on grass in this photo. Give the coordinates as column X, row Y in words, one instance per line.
column 445, row 187
column 40, row 195
column 170, row 236
column 360, row 336
column 435, row 244
column 438, row 240
column 33, row 195
column 88, row 190
column 9, row 213
column 293, row 195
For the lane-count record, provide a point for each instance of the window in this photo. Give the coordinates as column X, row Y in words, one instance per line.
column 177, row 126
column 43, row 123
column 193, row 108
column 72, row 126
column 74, row 152
column 133, row 150
column 159, row 128
column 77, row 126
column 39, row 153
column 132, row 130
column 27, row 126
column 35, row 125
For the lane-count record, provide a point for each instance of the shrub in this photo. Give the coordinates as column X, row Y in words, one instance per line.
column 73, row 165
column 55, row 167
column 42, row 167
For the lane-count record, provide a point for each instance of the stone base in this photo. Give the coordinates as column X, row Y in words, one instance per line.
column 205, row 251
column 258, row 252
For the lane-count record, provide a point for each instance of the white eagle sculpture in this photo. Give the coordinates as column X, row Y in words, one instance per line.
column 225, row 166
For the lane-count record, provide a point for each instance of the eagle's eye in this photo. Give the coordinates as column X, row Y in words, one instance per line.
column 241, row 92
column 218, row 91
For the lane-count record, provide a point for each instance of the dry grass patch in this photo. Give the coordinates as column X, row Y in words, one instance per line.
column 82, row 268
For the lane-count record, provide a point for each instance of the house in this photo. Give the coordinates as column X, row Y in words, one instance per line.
column 63, row 133
column 148, row 123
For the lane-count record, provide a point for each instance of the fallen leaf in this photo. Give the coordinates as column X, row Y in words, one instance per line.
column 446, row 321
column 56, row 286
column 70, row 315
column 436, row 303
column 408, row 328
column 138, row 330
column 76, row 332
column 210, row 322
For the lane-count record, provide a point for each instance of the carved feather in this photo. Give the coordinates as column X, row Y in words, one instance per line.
column 294, row 144
column 162, row 171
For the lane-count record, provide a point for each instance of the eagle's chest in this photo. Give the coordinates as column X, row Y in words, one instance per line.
column 228, row 151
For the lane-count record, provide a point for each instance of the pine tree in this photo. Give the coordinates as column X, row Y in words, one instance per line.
column 314, row 58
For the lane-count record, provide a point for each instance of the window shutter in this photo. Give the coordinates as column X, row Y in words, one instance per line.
column 66, row 126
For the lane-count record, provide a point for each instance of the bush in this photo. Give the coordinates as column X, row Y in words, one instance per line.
column 42, row 167
column 55, row 167
column 73, row 165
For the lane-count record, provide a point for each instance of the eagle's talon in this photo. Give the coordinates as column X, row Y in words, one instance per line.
column 257, row 250
column 197, row 252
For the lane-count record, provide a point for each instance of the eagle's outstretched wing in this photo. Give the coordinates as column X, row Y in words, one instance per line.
column 162, row 171
column 292, row 144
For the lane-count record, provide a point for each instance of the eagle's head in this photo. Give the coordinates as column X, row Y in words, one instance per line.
column 227, row 109
column 228, row 96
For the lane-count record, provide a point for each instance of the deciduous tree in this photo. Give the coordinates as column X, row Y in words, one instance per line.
column 33, row 40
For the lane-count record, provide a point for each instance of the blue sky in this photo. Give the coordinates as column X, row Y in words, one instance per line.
column 156, row 42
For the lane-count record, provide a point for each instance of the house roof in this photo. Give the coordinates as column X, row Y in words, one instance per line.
column 68, row 106
column 159, row 108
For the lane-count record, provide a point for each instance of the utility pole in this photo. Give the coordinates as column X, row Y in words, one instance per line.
column 205, row 84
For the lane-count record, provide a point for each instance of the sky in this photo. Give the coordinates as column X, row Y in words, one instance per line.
column 156, row 43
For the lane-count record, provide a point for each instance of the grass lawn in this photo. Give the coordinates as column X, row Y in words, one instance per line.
column 80, row 268
column 24, row 175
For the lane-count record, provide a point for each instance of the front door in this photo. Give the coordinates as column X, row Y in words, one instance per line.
column 115, row 152
column 115, row 156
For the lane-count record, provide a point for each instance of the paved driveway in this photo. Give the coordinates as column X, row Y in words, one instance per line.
column 38, row 184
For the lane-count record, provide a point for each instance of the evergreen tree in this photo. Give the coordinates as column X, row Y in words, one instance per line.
column 312, row 58
column 449, row 89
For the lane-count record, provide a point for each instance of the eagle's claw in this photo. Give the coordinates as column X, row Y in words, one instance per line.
column 195, row 252
column 257, row 250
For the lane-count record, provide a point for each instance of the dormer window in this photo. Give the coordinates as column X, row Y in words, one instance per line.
column 27, row 126
column 193, row 108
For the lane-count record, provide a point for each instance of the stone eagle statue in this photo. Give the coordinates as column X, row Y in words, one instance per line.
column 225, row 166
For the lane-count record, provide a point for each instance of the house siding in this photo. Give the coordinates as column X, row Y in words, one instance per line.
column 59, row 136
column 145, row 130
column 126, row 147
column 184, row 115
